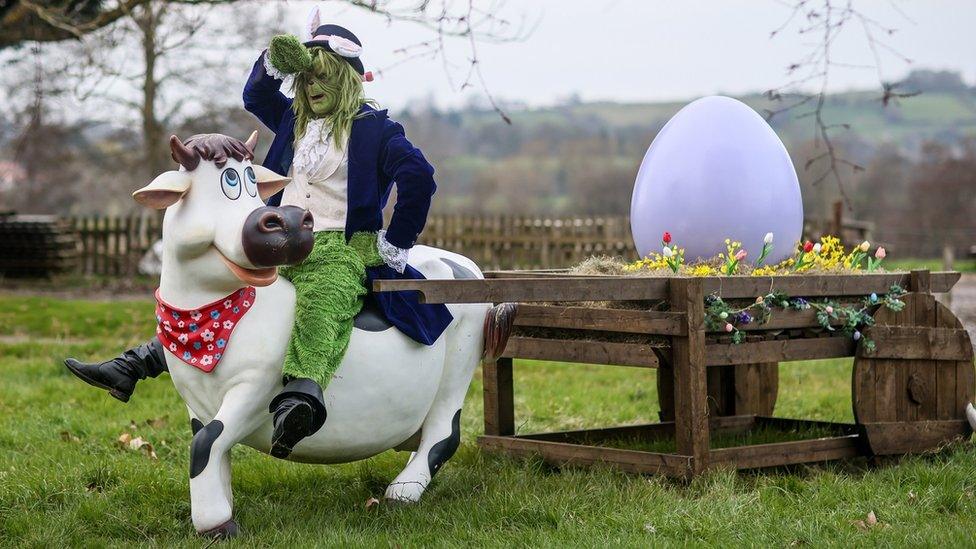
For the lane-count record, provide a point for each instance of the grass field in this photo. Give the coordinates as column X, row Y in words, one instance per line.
column 64, row 481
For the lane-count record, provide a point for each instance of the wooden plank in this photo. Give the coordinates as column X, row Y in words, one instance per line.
column 747, row 387
column 499, row 397
column 778, row 350
column 822, row 285
column 558, row 453
column 781, row 319
column 644, row 432
column 621, row 288
column 796, row 424
column 787, row 453
column 582, row 352
column 531, row 289
column 690, row 385
column 607, row 320
column 919, row 342
column 898, row 437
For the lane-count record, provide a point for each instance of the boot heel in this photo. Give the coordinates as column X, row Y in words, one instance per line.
column 296, row 425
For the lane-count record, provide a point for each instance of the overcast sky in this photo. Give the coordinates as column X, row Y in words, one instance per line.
column 642, row 50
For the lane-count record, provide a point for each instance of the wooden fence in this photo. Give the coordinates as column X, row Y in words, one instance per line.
column 113, row 245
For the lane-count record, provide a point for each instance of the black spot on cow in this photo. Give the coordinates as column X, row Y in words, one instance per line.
column 459, row 271
column 195, row 425
column 443, row 450
column 200, row 447
column 371, row 318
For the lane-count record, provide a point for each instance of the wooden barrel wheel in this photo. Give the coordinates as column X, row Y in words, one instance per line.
column 910, row 393
column 743, row 389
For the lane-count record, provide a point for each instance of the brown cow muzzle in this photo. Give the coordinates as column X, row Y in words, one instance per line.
column 277, row 236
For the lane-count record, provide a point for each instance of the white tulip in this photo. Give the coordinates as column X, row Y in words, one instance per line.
column 667, row 252
column 816, row 248
column 768, row 239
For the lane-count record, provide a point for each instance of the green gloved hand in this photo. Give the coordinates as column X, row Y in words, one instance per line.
column 288, row 55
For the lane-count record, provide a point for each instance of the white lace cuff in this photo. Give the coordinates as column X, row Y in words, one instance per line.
column 269, row 68
column 392, row 256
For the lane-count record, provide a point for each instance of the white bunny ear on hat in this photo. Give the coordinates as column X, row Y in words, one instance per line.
column 314, row 22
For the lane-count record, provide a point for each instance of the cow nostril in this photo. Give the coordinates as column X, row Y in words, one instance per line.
column 308, row 222
column 270, row 222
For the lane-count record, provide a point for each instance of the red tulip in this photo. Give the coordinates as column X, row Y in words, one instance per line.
column 666, row 238
column 808, row 247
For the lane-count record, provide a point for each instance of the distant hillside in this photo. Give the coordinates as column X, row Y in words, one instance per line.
column 582, row 157
column 945, row 116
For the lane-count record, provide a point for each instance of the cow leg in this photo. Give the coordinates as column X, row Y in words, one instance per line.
column 441, row 430
column 211, row 498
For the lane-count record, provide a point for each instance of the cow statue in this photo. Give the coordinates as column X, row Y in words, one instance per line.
column 389, row 391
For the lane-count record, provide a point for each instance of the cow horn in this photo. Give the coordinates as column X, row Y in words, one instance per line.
column 183, row 156
column 252, row 141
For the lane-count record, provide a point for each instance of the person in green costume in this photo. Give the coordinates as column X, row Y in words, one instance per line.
column 330, row 284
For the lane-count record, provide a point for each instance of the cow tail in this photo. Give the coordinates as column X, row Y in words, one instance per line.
column 498, row 327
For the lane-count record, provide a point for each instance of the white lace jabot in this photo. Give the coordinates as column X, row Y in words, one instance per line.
column 320, row 184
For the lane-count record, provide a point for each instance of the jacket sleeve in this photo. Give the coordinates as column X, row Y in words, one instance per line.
column 263, row 97
column 414, row 179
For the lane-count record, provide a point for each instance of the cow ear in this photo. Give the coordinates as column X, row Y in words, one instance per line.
column 164, row 191
column 269, row 183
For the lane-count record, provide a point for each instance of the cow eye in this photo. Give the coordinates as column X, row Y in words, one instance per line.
column 230, row 183
column 250, row 181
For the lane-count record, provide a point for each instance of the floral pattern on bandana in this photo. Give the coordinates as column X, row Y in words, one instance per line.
column 199, row 336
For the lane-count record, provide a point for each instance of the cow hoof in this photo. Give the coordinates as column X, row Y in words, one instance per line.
column 404, row 493
column 226, row 530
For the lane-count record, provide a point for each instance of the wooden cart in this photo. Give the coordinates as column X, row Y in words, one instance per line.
column 908, row 395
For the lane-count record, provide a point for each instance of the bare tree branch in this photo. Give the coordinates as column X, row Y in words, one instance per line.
column 828, row 19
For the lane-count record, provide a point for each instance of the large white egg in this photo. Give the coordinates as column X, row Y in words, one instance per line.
column 715, row 171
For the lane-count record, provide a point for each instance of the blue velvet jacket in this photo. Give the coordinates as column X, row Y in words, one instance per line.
column 379, row 155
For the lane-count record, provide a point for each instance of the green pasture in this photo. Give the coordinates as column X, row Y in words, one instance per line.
column 64, row 480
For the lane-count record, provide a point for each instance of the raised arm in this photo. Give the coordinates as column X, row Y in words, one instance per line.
column 262, row 94
column 414, row 178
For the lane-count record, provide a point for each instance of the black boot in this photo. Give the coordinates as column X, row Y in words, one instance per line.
column 119, row 375
column 299, row 411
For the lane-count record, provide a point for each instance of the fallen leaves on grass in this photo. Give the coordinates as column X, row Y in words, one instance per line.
column 68, row 437
column 869, row 522
column 136, row 444
column 372, row 503
column 158, row 422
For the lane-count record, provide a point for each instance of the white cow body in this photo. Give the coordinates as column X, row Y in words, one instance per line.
column 388, row 388
column 380, row 394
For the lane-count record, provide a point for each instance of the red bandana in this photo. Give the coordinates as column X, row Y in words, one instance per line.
column 199, row 336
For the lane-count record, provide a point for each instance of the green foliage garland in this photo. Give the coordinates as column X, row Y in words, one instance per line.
column 722, row 317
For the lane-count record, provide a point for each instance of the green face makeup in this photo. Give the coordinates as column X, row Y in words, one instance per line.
column 329, row 89
column 323, row 96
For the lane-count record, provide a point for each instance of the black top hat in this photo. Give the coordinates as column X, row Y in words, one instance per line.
column 336, row 30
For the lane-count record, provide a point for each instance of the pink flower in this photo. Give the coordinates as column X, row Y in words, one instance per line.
column 195, row 315
column 172, row 347
column 206, row 360
column 207, row 335
column 740, row 255
column 829, row 310
column 228, row 324
column 228, row 303
column 183, row 338
column 881, row 253
column 728, row 327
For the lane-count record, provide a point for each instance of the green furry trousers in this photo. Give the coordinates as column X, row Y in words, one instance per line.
column 329, row 286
